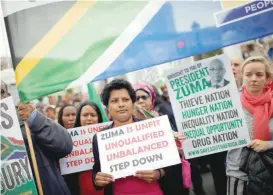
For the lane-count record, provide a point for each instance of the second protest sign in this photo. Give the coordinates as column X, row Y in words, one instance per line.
column 144, row 145
column 207, row 108
column 81, row 158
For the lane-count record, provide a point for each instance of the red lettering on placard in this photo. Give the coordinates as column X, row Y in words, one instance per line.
column 147, row 125
column 137, row 150
column 95, row 129
column 74, row 163
column 89, row 160
column 132, row 140
column 80, row 152
column 82, row 142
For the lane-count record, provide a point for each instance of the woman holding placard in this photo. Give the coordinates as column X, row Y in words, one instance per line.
column 67, row 118
column 119, row 97
column 88, row 114
column 145, row 99
column 145, row 103
column 257, row 101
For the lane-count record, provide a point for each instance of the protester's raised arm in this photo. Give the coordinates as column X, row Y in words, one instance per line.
column 52, row 138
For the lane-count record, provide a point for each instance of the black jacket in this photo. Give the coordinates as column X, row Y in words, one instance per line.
column 259, row 167
column 170, row 184
column 51, row 141
column 166, row 108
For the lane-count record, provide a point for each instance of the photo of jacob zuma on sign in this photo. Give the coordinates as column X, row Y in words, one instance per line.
column 144, row 145
column 207, row 108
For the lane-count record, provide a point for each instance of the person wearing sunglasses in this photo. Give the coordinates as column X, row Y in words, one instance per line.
column 145, row 98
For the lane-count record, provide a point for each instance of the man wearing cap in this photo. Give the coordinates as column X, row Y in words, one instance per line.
column 50, row 112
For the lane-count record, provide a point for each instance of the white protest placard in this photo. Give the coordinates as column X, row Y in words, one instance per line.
column 144, row 145
column 207, row 108
column 81, row 158
column 16, row 175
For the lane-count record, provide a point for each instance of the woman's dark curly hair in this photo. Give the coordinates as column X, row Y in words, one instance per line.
column 94, row 106
column 61, row 112
column 117, row 84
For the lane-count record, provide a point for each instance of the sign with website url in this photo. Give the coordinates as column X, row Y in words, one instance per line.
column 244, row 11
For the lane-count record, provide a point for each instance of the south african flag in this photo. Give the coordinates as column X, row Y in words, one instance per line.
column 12, row 148
column 56, row 45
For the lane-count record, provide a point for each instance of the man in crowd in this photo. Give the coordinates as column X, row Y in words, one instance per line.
column 236, row 63
column 166, row 107
column 77, row 103
column 50, row 112
column 217, row 72
column 50, row 141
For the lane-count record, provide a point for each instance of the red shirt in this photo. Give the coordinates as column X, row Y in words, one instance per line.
column 86, row 184
column 134, row 186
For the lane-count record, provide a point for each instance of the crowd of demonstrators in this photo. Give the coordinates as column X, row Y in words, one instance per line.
column 48, row 124
column 51, row 105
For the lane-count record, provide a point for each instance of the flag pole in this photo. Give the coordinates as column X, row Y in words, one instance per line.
column 33, row 159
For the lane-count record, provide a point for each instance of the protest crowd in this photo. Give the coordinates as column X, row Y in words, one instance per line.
column 136, row 97
column 126, row 103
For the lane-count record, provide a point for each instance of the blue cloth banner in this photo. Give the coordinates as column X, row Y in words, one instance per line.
column 181, row 29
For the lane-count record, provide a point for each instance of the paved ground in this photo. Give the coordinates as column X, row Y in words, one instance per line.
column 208, row 184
